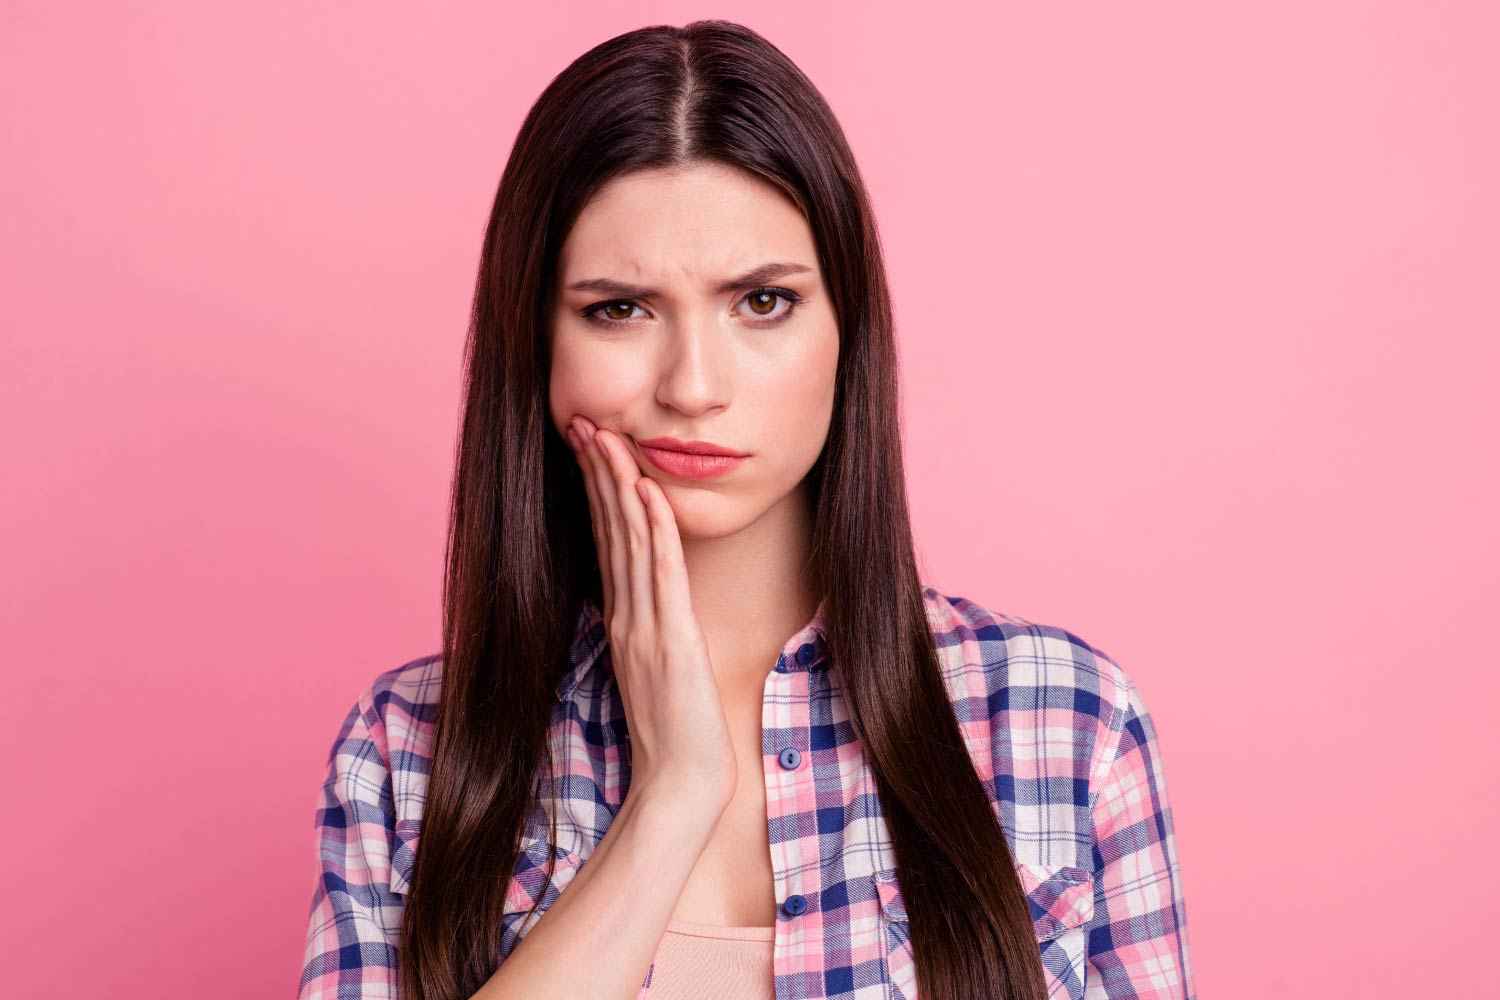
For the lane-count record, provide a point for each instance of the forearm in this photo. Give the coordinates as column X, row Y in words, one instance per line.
column 599, row 936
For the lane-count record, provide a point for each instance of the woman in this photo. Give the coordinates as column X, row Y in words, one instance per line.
column 805, row 774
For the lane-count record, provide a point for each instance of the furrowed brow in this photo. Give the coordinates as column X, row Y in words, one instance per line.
column 750, row 279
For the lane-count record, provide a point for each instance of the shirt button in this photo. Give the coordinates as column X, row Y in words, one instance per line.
column 795, row 905
column 790, row 758
column 805, row 653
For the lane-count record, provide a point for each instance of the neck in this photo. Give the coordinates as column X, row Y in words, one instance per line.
column 751, row 590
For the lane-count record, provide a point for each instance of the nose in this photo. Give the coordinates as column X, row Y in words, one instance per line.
column 696, row 367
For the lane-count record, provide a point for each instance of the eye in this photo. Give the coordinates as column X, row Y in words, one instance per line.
column 608, row 307
column 766, row 297
column 762, row 302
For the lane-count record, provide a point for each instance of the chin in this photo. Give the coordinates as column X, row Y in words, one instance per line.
column 704, row 514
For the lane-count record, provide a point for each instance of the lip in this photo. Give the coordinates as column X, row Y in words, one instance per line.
column 690, row 465
column 689, row 447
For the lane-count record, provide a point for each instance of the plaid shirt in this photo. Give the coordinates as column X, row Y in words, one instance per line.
column 1058, row 733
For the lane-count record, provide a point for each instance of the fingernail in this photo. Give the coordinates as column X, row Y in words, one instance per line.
column 573, row 441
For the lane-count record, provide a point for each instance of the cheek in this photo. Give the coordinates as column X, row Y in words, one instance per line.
column 564, row 396
column 798, row 411
column 582, row 383
column 806, row 389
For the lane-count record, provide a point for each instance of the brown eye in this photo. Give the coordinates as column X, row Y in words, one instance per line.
column 762, row 303
column 766, row 299
column 609, row 313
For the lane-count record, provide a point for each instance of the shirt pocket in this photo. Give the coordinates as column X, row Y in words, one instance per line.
column 1061, row 898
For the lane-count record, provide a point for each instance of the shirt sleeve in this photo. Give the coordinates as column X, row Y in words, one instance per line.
column 353, row 930
column 1137, row 939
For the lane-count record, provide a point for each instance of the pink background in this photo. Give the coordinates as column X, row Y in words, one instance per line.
column 1198, row 313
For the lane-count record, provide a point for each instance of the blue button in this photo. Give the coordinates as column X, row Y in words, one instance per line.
column 795, row 905
column 790, row 758
column 806, row 653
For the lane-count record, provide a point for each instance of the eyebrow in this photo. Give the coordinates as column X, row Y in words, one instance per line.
column 755, row 276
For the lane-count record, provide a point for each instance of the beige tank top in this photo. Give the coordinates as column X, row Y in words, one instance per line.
column 702, row 960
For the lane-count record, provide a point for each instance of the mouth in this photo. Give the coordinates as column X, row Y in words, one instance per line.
column 691, row 465
column 690, row 447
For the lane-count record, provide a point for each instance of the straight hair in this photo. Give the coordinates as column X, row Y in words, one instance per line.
column 520, row 550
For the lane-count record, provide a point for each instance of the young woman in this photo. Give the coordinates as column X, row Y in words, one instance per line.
column 698, row 728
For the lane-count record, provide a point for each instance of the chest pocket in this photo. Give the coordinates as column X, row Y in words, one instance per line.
column 1061, row 898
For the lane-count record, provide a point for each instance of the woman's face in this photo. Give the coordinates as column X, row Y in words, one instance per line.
column 681, row 339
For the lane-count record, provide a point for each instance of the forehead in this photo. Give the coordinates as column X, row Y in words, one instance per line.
column 694, row 225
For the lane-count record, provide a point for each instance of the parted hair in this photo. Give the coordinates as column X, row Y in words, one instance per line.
column 520, row 554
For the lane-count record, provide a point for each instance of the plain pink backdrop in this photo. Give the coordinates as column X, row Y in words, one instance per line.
column 1223, row 280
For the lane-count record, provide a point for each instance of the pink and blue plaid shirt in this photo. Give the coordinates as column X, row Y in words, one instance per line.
column 1058, row 733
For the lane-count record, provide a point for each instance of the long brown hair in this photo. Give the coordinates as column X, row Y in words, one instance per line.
column 520, row 549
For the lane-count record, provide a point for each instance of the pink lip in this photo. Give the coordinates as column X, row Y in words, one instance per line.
column 691, row 447
column 686, row 465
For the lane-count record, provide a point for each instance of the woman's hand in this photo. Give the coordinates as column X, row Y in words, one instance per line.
column 679, row 735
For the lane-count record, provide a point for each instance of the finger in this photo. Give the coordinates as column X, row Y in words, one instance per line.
column 599, row 511
column 614, row 526
column 596, row 515
column 673, row 596
column 637, row 529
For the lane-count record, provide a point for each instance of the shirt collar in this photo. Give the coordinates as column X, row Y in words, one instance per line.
column 807, row 649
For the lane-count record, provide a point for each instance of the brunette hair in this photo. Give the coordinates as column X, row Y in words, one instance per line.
column 520, row 549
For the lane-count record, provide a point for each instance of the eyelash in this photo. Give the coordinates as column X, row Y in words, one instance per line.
column 793, row 301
